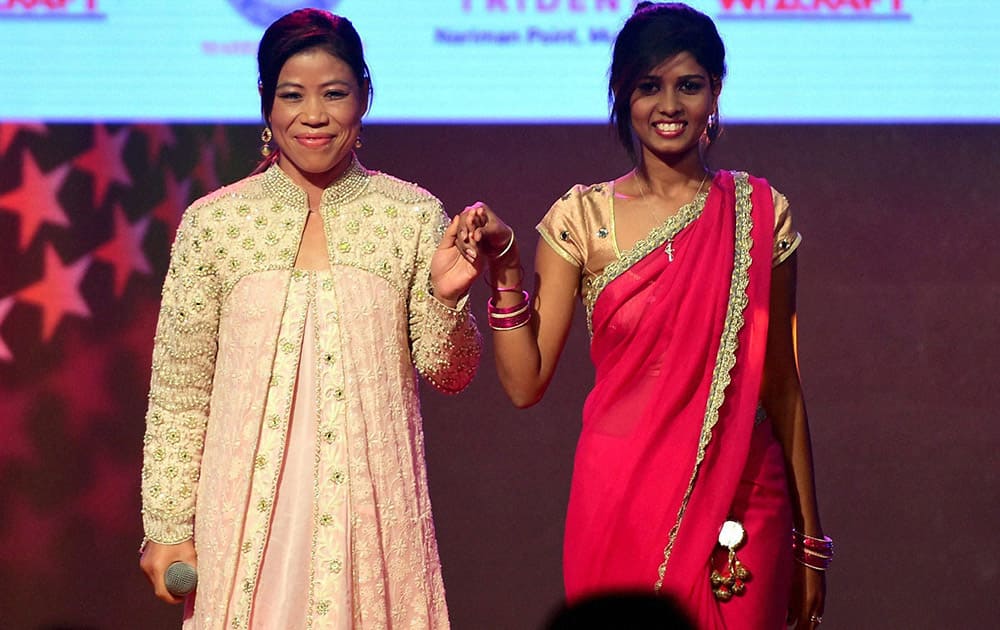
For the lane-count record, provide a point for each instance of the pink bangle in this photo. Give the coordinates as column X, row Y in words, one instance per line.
column 811, row 542
column 806, row 551
column 509, row 317
column 516, row 313
column 510, row 324
column 492, row 309
column 812, row 552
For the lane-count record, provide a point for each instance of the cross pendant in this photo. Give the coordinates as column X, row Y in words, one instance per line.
column 669, row 250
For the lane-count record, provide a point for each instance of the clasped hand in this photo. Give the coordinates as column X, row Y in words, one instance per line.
column 472, row 237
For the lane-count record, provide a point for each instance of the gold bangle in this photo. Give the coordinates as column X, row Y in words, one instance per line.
column 515, row 327
column 516, row 313
column 825, row 539
column 506, row 249
column 806, row 551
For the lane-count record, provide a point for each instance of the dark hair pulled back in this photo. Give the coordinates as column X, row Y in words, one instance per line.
column 301, row 30
column 655, row 32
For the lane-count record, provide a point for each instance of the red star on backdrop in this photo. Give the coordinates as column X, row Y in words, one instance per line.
column 58, row 292
column 72, row 396
column 124, row 251
column 158, row 137
column 36, row 200
column 9, row 129
column 5, row 305
column 177, row 196
column 105, row 161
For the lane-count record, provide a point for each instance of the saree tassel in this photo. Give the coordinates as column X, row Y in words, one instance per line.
column 735, row 576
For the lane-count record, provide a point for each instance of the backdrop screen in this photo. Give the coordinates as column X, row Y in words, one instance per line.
column 502, row 60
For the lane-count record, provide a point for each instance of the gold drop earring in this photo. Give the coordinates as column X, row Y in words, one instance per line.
column 265, row 137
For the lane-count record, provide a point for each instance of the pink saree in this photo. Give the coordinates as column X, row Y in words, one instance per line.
column 669, row 446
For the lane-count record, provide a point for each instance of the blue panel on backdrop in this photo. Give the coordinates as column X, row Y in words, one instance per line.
column 502, row 60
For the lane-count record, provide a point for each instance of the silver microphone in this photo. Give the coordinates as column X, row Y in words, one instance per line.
column 181, row 579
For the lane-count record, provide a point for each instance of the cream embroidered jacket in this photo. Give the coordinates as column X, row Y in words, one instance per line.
column 375, row 224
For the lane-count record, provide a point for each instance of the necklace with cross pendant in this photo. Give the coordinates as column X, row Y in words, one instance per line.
column 668, row 249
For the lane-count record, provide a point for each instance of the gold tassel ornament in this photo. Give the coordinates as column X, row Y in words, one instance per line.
column 732, row 580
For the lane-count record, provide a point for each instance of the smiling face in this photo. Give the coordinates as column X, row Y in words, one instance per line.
column 670, row 107
column 316, row 117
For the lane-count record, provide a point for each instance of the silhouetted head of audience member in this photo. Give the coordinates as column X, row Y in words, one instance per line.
column 621, row 611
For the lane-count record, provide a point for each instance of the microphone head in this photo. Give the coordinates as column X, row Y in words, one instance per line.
column 181, row 579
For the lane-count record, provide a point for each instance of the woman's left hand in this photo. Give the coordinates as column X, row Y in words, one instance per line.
column 456, row 263
column 806, row 606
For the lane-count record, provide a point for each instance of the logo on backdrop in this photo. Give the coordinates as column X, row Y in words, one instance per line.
column 549, row 6
column 812, row 10
column 50, row 10
column 585, row 22
column 264, row 12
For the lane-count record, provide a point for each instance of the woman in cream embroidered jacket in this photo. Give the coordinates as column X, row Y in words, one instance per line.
column 284, row 450
column 237, row 322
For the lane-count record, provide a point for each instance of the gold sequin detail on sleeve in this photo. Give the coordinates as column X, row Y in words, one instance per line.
column 183, row 364
column 446, row 342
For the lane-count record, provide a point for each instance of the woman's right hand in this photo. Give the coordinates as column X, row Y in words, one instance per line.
column 482, row 226
column 157, row 557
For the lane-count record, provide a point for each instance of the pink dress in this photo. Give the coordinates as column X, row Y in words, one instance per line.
column 285, row 568
column 672, row 443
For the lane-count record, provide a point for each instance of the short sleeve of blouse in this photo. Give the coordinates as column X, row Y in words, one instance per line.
column 786, row 237
column 563, row 228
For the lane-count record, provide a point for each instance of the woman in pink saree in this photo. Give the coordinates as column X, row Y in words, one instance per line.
column 696, row 418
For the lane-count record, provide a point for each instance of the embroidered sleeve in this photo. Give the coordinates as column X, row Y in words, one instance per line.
column 446, row 344
column 563, row 229
column 184, row 351
column 786, row 237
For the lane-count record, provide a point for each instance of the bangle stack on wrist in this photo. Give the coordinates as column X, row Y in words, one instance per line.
column 812, row 552
column 510, row 317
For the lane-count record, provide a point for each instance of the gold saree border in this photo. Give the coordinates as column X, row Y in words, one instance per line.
column 662, row 233
column 726, row 356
